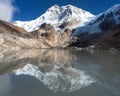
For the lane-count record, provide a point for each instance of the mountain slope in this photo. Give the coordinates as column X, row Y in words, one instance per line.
column 110, row 38
column 56, row 16
column 88, row 29
column 109, row 18
column 46, row 37
column 101, row 30
column 14, row 37
column 103, row 22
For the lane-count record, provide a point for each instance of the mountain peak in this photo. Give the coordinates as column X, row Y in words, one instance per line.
column 54, row 7
column 113, row 13
column 113, row 8
column 116, row 5
column 67, row 6
column 56, row 15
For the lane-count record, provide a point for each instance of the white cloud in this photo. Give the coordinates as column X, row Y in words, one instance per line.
column 6, row 10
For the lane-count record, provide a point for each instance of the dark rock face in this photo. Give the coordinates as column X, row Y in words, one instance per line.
column 110, row 38
column 63, row 25
column 47, row 27
column 104, row 40
column 108, row 22
column 118, row 11
column 85, row 39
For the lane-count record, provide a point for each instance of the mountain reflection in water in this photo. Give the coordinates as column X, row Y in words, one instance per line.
column 59, row 78
column 63, row 71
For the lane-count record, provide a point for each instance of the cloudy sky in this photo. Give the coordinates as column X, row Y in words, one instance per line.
column 12, row 10
column 7, row 10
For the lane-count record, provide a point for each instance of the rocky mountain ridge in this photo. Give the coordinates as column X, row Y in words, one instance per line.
column 46, row 37
column 61, row 29
column 104, row 25
column 57, row 15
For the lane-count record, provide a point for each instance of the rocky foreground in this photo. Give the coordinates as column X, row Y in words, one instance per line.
column 46, row 37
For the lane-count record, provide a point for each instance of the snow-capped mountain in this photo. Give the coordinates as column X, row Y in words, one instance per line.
column 103, row 22
column 112, row 13
column 57, row 15
column 59, row 33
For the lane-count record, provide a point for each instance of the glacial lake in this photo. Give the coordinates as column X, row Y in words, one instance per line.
column 53, row 72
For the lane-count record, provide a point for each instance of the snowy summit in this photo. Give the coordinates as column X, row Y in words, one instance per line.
column 57, row 15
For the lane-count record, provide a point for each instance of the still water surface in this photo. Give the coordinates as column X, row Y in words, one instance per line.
column 55, row 72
